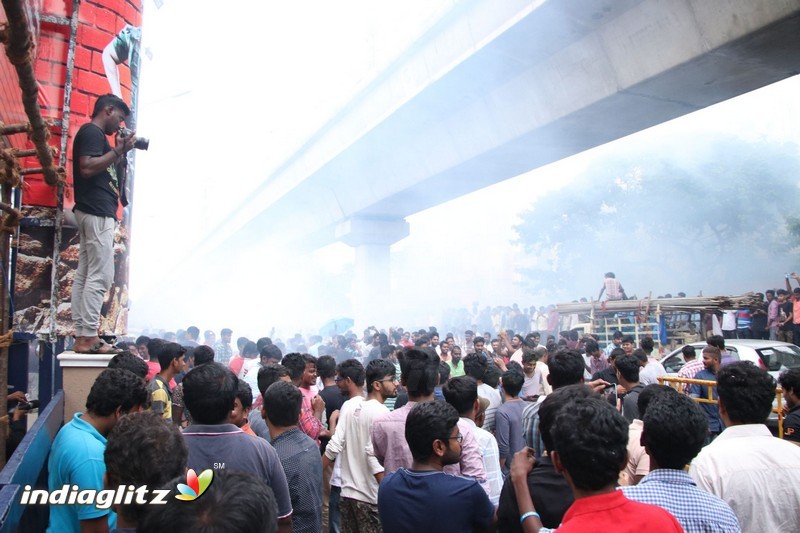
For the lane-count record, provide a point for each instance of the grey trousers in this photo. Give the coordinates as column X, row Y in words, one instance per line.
column 95, row 271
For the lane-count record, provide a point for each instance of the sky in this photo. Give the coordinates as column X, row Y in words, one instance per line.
column 228, row 95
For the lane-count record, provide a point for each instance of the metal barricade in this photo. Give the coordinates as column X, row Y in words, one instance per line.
column 678, row 383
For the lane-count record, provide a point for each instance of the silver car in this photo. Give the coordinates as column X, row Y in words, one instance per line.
column 772, row 356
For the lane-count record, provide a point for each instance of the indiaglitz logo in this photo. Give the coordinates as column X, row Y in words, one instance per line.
column 195, row 485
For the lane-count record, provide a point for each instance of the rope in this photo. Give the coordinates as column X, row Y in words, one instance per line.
column 5, row 340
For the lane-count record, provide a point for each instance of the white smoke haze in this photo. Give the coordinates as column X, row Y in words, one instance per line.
column 223, row 118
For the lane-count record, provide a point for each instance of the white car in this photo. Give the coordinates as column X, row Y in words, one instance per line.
column 772, row 356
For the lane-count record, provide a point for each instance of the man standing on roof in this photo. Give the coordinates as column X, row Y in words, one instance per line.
column 612, row 288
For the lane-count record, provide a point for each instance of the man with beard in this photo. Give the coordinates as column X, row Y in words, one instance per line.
column 361, row 471
column 711, row 365
column 424, row 498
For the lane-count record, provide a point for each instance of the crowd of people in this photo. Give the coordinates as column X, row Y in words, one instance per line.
column 430, row 434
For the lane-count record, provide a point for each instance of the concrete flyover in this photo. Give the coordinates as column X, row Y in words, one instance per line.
column 499, row 88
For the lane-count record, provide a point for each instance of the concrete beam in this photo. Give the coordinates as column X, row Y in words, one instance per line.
column 544, row 81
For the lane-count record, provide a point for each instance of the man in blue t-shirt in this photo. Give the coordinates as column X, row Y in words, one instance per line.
column 76, row 457
column 424, row 498
column 712, row 359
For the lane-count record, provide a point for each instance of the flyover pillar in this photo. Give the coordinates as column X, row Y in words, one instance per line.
column 372, row 239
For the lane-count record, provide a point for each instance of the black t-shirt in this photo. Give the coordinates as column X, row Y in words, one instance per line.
column 99, row 194
column 791, row 425
column 760, row 320
column 333, row 399
column 787, row 309
column 550, row 493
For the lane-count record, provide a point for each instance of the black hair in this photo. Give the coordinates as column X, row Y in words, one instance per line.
column 426, row 423
column 512, row 382
column 566, row 368
column 154, row 348
column 245, row 394
column 249, row 350
column 640, row 354
column 262, row 343
column 295, row 363
column 713, row 350
column 790, row 380
column 717, row 341
column 269, row 374
column 444, row 373
column 143, row 450
column 419, row 371
column 688, row 352
column 628, row 339
column 326, row 367
column 647, row 344
column 234, row 501
column 353, row 369
column 110, row 100
column 127, row 361
column 628, row 367
column 552, row 404
column 616, row 352
column 527, row 357
column 421, row 340
column 272, row 352
column 142, row 340
column 114, row 389
column 650, row 393
column 675, row 429
column 591, row 346
column 746, row 392
column 203, row 355
column 225, row 331
column 475, row 366
column 387, row 350
column 209, row 393
column 377, row 370
column 169, row 352
column 461, row 392
column 591, row 439
column 282, row 403
column 492, row 375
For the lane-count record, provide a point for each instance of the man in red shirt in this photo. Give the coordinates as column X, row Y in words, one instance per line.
column 590, row 448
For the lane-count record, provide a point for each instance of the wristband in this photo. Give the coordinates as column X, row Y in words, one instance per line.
column 115, row 151
column 528, row 515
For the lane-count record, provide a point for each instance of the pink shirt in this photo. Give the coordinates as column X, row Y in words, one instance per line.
column 391, row 448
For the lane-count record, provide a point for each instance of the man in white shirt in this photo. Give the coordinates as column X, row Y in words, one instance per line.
column 475, row 366
column 462, row 393
column 756, row 473
column 361, row 472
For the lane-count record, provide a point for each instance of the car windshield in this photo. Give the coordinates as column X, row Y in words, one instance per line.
column 780, row 357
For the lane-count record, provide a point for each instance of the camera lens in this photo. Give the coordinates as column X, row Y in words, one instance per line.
column 142, row 143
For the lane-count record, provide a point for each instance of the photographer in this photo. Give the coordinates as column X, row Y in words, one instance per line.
column 98, row 178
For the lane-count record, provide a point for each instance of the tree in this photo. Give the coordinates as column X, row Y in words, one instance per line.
column 706, row 213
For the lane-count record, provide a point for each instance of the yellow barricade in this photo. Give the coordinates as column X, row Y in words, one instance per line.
column 681, row 384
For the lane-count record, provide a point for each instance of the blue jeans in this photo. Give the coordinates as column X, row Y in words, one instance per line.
column 334, row 515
